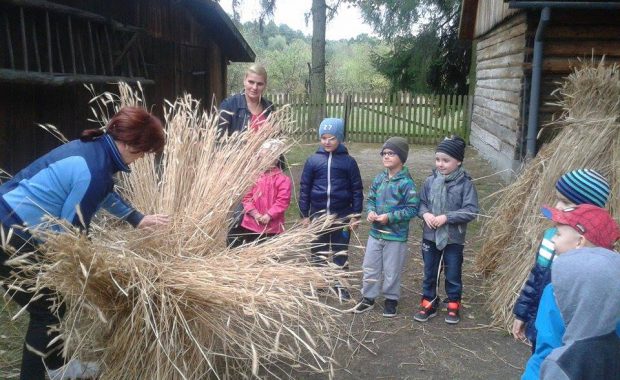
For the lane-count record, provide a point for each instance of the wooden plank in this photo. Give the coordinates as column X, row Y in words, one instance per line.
column 71, row 45
column 22, row 23
column 508, row 47
column 500, row 95
column 507, row 72
column 582, row 32
column 9, row 42
column 497, row 130
column 48, row 35
column 92, row 47
column 512, row 60
column 59, row 48
column 582, row 48
column 514, row 31
column 503, row 120
column 31, row 77
column 507, row 109
column 37, row 56
column 511, row 84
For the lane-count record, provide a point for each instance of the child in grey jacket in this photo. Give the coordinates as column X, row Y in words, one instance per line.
column 448, row 201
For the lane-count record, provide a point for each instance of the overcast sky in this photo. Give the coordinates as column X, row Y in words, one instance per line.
column 348, row 22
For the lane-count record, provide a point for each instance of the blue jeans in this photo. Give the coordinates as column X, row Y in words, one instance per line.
column 337, row 242
column 452, row 264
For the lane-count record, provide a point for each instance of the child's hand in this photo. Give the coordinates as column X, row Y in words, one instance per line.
column 429, row 219
column 264, row 219
column 354, row 223
column 372, row 216
column 518, row 329
column 305, row 222
column 440, row 220
column 383, row 219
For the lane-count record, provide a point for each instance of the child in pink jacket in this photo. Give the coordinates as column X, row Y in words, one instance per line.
column 265, row 204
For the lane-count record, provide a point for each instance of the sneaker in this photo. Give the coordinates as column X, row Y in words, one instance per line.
column 453, row 312
column 366, row 304
column 427, row 311
column 389, row 308
column 342, row 292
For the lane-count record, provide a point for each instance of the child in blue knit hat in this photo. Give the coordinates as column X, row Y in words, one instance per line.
column 583, row 186
column 331, row 184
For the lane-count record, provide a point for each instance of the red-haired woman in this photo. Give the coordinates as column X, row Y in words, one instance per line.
column 71, row 183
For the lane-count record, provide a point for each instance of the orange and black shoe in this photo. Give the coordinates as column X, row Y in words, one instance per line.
column 453, row 316
column 427, row 311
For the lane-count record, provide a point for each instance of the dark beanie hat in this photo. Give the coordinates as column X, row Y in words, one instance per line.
column 452, row 146
column 399, row 146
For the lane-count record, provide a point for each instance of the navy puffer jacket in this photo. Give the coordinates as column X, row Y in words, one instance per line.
column 331, row 182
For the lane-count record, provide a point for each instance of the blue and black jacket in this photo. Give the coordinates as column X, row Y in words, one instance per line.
column 235, row 115
column 331, row 183
column 526, row 307
column 75, row 176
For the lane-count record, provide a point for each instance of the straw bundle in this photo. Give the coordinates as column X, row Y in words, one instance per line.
column 176, row 303
column 589, row 137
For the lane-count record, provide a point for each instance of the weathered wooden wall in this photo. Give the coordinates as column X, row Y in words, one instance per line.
column 571, row 37
column 181, row 56
column 491, row 13
column 496, row 121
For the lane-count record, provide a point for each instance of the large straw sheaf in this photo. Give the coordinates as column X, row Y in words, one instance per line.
column 589, row 137
column 176, row 302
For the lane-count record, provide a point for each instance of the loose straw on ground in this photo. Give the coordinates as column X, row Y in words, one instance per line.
column 588, row 137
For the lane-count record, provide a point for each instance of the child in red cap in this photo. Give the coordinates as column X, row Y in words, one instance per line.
column 580, row 308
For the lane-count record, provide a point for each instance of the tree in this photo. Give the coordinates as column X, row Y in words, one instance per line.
column 317, row 67
column 426, row 52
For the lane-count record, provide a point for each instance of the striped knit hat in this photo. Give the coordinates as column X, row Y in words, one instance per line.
column 584, row 186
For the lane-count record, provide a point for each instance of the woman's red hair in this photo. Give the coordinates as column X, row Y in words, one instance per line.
column 135, row 127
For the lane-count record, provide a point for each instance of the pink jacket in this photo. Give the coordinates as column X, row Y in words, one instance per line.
column 271, row 194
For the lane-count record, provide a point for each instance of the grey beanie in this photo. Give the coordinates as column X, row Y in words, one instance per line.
column 399, row 145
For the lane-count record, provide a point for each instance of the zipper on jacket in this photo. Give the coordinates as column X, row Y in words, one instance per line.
column 329, row 181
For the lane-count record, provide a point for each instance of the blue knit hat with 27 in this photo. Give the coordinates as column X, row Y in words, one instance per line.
column 584, row 186
column 333, row 126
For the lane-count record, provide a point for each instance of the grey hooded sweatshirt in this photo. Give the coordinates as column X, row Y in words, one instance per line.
column 586, row 285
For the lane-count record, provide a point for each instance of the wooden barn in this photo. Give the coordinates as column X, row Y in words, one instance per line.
column 50, row 49
column 521, row 50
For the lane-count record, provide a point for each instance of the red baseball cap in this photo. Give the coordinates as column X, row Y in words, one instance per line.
column 594, row 223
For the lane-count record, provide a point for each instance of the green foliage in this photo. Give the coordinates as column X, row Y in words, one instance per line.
column 286, row 54
column 426, row 54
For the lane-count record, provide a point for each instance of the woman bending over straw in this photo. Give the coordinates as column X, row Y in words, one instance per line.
column 70, row 183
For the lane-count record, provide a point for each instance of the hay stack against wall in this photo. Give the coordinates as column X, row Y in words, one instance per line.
column 176, row 303
column 589, row 137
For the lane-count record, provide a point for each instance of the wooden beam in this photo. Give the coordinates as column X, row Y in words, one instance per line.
column 9, row 41
column 92, row 47
column 70, row 11
column 48, row 33
column 35, row 41
column 59, row 46
column 23, row 77
column 71, row 45
column 22, row 22
column 128, row 46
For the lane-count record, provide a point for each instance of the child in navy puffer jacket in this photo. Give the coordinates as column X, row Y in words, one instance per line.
column 331, row 184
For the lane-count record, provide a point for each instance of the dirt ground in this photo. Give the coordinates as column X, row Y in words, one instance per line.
column 401, row 348
column 396, row 348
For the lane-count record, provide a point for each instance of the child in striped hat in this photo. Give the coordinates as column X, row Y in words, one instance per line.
column 582, row 186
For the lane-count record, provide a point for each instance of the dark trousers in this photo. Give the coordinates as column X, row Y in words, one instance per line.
column 452, row 256
column 38, row 335
column 337, row 242
column 240, row 235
